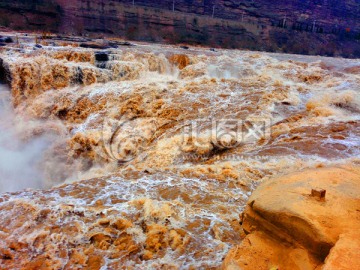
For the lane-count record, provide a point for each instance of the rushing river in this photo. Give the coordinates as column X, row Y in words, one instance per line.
column 174, row 140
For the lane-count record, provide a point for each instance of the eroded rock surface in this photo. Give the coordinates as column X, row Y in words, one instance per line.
column 290, row 229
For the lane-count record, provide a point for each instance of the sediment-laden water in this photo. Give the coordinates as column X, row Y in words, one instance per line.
column 174, row 141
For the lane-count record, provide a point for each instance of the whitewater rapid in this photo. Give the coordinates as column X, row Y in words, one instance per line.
column 171, row 143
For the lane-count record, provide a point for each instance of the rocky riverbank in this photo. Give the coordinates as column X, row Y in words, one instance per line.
column 288, row 228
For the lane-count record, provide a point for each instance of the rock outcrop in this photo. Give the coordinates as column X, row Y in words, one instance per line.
column 289, row 228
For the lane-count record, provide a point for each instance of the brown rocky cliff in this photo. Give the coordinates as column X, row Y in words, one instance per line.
column 250, row 25
column 326, row 12
column 30, row 15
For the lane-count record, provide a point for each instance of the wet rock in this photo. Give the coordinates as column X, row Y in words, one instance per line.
column 5, row 75
column 93, row 45
column 6, row 40
column 102, row 56
column 125, row 43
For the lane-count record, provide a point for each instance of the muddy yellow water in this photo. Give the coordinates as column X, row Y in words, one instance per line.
column 171, row 143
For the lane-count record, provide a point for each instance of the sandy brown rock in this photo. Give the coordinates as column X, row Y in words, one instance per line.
column 263, row 252
column 282, row 217
column 346, row 253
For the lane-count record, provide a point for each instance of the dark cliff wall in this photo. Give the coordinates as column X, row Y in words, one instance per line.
column 325, row 27
column 325, row 12
column 30, row 15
